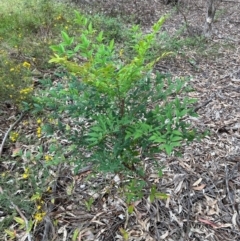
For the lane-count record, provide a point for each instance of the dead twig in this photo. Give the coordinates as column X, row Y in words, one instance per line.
column 9, row 130
column 202, row 105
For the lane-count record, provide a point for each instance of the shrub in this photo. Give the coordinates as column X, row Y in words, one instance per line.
column 113, row 110
column 15, row 83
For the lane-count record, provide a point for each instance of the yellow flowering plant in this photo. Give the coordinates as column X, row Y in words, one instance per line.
column 15, row 84
column 14, row 136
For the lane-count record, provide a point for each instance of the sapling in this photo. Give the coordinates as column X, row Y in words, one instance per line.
column 124, row 112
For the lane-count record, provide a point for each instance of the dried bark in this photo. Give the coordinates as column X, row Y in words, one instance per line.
column 211, row 9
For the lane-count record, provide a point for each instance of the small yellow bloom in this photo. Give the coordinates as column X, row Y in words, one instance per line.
column 12, row 69
column 13, row 135
column 39, row 121
column 26, row 65
column 48, row 158
column 39, row 132
column 25, row 175
column 39, row 216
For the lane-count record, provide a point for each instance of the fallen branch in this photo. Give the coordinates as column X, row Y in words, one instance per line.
column 9, row 130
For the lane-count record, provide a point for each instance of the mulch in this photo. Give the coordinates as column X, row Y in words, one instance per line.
column 203, row 184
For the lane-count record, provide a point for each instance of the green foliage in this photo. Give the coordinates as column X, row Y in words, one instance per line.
column 113, row 28
column 15, row 83
column 118, row 112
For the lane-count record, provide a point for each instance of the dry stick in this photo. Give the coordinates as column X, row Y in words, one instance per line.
column 10, row 128
column 21, row 214
column 202, row 105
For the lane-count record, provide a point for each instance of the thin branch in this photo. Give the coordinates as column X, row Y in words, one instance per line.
column 202, row 105
column 9, row 130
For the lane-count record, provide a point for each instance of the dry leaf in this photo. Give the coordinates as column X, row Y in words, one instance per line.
column 214, row 225
column 197, row 182
column 199, row 188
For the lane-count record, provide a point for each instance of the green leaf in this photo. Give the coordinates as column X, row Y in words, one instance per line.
column 111, row 45
column 90, row 28
column 61, row 49
column 55, row 48
column 19, row 220
column 152, row 193
column 183, row 113
column 77, row 48
column 176, row 138
column 100, row 37
column 177, row 132
column 160, row 195
column 160, row 173
column 174, row 144
column 130, row 208
column 11, row 233
column 65, row 37
column 30, row 225
column 137, row 134
column 94, row 134
column 124, row 234
column 168, row 148
column 157, row 139
column 75, row 234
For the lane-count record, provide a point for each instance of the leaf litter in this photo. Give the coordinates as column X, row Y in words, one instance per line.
column 203, row 185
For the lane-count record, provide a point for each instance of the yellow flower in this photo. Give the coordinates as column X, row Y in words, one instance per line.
column 13, row 136
column 26, row 65
column 59, row 17
column 39, row 216
column 39, row 132
column 12, row 69
column 48, row 158
column 25, row 175
column 26, row 91
column 39, row 121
